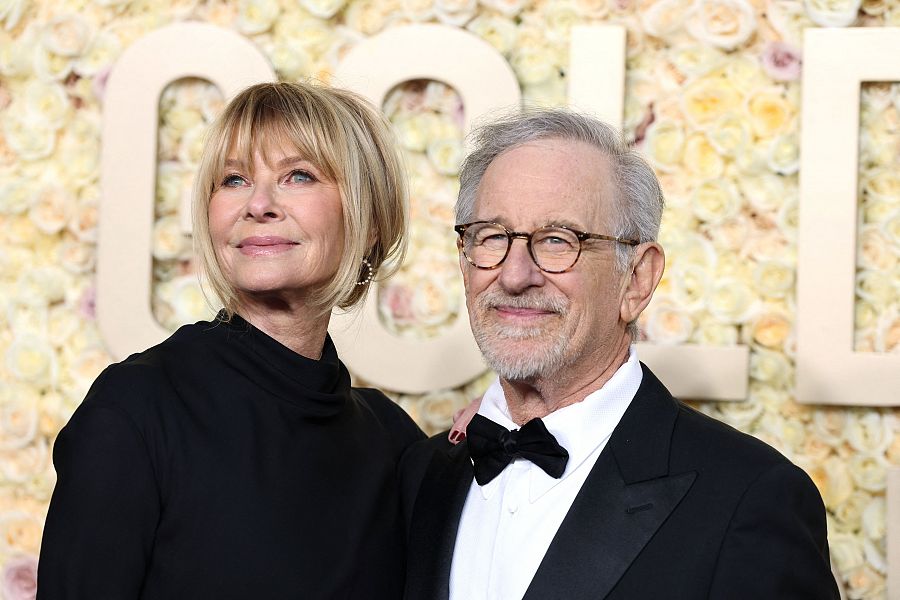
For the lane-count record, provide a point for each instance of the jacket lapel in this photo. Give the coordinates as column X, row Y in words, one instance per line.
column 627, row 496
column 435, row 521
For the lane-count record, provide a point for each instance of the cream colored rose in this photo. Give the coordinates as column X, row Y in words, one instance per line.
column 20, row 532
column 664, row 145
column 11, row 12
column 715, row 334
column 770, row 112
column 18, row 416
column 418, row 10
column 664, row 17
column 832, row 13
column 828, row 424
column 745, row 73
column 708, row 99
column 84, row 219
column 446, row 155
column 690, row 286
column 832, row 477
column 789, row 432
column 741, row 415
column 729, row 135
column 559, row 17
column 256, row 16
column 455, row 13
column 731, row 233
column 79, row 158
column 16, row 196
column 876, row 287
column 31, row 359
column 715, row 201
column 848, row 514
column 869, row 472
column 30, row 137
column 668, row 323
column 869, row 433
column 413, row 131
column 51, row 209
column 437, row 408
column 67, row 35
column 62, row 323
column 774, row 278
column 509, row 8
column 84, row 370
column 188, row 301
column 771, row 329
column 102, row 52
column 874, row 249
column 49, row 66
column 77, row 257
column 771, row 367
column 497, row 31
column 784, row 154
column 369, row 16
column 26, row 463
column 592, row 9
column 725, row 24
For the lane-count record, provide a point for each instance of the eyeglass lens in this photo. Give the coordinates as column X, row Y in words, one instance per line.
column 552, row 248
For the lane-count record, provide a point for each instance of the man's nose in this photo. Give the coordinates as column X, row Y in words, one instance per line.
column 519, row 272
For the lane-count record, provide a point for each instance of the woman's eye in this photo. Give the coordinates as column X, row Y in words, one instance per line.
column 233, row 181
column 299, row 176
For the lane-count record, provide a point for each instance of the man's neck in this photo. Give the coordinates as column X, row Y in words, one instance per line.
column 541, row 396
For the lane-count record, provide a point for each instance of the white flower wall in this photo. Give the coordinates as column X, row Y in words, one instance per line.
column 713, row 100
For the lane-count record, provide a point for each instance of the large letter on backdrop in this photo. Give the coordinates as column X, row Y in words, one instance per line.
column 486, row 84
column 835, row 63
column 128, row 163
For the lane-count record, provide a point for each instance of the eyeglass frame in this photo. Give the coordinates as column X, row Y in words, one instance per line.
column 511, row 235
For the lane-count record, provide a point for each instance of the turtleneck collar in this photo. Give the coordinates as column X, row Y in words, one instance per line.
column 319, row 388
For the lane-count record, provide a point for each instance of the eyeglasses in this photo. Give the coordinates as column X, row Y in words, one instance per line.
column 554, row 249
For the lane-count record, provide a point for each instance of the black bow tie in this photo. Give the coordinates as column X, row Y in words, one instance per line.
column 493, row 446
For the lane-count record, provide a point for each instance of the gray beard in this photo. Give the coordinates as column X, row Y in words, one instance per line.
column 548, row 356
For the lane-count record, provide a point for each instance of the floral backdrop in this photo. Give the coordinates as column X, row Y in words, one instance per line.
column 712, row 99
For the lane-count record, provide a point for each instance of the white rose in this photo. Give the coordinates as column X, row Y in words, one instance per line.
column 774, row 278
column 16, row 196
column 47, row 101
column 455, row 12
column 83, row 222
column 848, row 514
column 67, row 35
column 740, row 415
column 887, row 332
column 496, row 31
column 874, row 518
column 876, row 287
column 869, row 433
column 324, row 9
column 701, row 157
column 509, row 8
column 665, row 17
column 51, row 209
column 874, row 249
column 290, row 59
column 690, row 285
column 729, row 135
column 49, row 66
column 832, row 13
column 25, row 463
column 29, row 136
column 664, row 144
column 788, row 433
column 715, row 201
column 745, row 72
column 168, row 240
column 593, row 9
column 78, row 158
column 695, row 60
column 784, row 154
column 715, row 334
column 102, row 52
column 437, row 408
column 882, row 183
column 256, row 16
column 531, row 65
column 668, row 324
column 188, row 301
column 42, row 286
column 84, row 370
column 32, row 360
column 435, row 300
column 771, row 367
column 418, row 10
column 832, row 477
column 869, row 472
column 731, row 233
column 18, row 416
column 725, row 24
column 558, row 17
column 11, row 11
column 76, row 256
column 446, row 155
column 25, row 319
column 368, row 16
column 62, row 323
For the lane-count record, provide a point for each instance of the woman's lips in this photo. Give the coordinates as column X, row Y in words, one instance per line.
column 264, row 245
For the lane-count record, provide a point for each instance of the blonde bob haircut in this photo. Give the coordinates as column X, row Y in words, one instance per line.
column 349, row 141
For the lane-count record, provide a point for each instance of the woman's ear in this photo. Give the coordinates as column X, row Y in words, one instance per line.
column 647, row 267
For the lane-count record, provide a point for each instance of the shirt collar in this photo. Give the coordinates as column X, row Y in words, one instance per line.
column 580, row 427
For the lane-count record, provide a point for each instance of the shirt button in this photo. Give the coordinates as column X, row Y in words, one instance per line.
column 512, row 507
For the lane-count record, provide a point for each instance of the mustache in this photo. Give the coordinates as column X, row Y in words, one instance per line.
column 494, row 298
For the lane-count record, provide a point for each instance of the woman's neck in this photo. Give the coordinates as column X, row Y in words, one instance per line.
column 296, row 325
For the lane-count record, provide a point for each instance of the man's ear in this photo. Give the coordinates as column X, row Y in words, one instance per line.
column 648, row 264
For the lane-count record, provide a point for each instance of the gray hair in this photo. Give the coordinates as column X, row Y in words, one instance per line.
column 640, row 201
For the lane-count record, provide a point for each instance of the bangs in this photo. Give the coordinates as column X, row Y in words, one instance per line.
column 268, row 123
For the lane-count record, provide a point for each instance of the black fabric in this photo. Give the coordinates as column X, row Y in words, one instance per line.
column 493, row 446
column 221, row 464
column 677, row 506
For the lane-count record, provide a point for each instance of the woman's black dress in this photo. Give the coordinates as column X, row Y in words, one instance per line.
column 221, row 464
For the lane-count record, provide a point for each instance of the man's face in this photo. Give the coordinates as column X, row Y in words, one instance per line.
column 531, row 324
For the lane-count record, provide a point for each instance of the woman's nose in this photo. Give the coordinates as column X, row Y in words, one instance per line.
column 263, row 205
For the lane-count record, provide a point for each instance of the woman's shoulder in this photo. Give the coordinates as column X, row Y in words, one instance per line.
column 391, row 415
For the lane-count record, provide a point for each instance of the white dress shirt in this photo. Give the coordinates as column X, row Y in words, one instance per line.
column 508, row 524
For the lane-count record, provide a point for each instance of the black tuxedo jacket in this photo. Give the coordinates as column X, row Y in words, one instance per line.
column 677, row 506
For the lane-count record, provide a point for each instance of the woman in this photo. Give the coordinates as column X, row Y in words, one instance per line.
column 234, row 460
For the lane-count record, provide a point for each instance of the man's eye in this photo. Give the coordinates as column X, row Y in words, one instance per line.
column 300, row 176
column 233, row 181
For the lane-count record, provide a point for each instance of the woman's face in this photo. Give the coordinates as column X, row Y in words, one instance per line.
column 278, row 233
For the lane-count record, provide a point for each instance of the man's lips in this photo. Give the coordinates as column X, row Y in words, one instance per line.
column 264, row 245
column 515, row 312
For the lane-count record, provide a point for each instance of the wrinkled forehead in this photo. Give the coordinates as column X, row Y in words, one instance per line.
column 548, row 181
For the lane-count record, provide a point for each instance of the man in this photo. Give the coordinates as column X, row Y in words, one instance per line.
column 581, row 476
